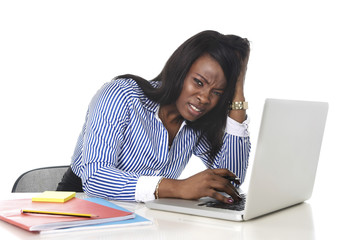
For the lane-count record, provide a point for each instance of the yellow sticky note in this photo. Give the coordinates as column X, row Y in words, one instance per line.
column 54, row 196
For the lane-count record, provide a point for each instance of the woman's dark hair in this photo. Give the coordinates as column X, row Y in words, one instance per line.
column 229, row 51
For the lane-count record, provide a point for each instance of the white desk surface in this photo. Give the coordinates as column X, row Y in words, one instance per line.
column 309, row 220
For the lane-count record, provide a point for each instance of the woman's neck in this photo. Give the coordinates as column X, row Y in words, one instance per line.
column 169, row 114
column 171, row 119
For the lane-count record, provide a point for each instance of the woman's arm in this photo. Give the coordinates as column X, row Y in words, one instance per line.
column 239, row 96
column 97, row 152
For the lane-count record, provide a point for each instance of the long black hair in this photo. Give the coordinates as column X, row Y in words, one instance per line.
column 229, row 51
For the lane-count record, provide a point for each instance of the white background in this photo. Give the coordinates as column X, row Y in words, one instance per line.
column 54, row 55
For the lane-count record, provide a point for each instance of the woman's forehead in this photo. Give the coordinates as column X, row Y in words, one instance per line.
column 210, row 70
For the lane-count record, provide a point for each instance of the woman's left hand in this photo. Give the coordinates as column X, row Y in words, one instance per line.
column 239, row 88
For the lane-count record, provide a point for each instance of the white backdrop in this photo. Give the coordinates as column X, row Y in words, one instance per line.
column 54, row 55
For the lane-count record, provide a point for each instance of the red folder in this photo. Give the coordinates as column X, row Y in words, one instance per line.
column 10, row 211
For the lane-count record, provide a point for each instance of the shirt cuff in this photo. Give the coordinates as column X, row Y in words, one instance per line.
column 145, row 188
column 238, row 129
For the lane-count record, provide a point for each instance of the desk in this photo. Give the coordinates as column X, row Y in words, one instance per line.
column 298, row 222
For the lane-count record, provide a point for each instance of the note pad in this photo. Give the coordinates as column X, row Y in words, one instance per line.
column 54, row 196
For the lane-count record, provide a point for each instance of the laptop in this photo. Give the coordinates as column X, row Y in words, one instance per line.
column 284, row 167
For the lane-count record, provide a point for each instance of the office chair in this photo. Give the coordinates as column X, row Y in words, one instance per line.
column 40, row 179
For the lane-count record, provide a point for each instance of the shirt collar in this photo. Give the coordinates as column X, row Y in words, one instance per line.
column 154, row 106
column 158, row 118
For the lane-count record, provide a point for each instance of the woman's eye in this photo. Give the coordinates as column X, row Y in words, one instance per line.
column 217, row 93
column 198, row 82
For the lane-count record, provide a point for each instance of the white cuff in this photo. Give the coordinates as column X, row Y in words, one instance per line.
column 145, row 188
column 238, row 129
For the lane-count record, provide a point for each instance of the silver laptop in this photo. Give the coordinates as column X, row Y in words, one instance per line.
column 284, row 166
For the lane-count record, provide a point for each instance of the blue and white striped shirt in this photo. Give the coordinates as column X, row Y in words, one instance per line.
column 123, row 150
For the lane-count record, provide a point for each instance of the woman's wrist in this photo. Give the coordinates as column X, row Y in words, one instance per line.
column 238, row 113
column 168, row 188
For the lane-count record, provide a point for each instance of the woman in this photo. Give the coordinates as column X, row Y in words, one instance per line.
column 139, row 135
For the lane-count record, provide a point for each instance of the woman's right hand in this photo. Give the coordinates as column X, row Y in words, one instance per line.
column 208, row 183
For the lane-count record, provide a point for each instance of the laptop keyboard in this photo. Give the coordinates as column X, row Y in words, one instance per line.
column 238, row 206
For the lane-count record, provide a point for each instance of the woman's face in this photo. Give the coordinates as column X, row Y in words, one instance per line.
column 203, row 86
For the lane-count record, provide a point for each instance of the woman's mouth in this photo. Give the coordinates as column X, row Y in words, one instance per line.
column 195, row 108
column 195, row 112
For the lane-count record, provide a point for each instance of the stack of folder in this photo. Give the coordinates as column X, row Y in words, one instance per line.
column 61, row 211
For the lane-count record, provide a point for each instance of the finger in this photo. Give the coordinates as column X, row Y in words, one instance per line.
column 222, row 185
column 218, row 196
column 233, row 179
column 227, row 174
column 226, row 181
column 233, row 192
column 223, row 172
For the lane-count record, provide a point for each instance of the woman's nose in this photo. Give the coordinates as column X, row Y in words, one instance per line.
column 203, row 97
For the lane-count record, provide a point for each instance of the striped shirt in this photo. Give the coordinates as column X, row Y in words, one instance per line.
column 123, row 150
